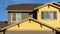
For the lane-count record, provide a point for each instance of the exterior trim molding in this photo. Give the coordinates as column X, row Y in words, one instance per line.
column 19, row 10
column 9, row 11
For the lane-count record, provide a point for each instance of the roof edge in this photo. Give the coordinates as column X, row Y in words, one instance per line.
column 45, row 5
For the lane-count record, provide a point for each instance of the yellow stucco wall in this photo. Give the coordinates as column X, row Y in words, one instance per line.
column 29, row 26
column 54, row 23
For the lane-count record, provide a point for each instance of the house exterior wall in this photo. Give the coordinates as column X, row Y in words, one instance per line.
column 24, row 16
column 52, row 22
column 28, row 26
column 9, row 18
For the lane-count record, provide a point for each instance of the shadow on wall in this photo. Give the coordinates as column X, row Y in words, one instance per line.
column 29, row 32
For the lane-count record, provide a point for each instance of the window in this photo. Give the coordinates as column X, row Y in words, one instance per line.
column 16, row 17
column 48, row 15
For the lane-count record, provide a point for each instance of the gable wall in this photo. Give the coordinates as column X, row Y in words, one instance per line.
column 29, row 26
column 54, row 22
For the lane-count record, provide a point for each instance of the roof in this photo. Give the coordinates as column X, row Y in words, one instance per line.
column 30, row 7
column 23, row 6
column 39, row 22
column 59, row 2
column 3, row 24
column 54, row 4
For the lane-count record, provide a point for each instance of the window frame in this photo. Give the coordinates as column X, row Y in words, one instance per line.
column 43, row 17
column 16, row 17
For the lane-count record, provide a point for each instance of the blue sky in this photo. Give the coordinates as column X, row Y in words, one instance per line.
column 5, row 3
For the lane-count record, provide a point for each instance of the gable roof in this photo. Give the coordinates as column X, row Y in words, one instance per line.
column 23, row 6
column 39, row 22
column 54, row 4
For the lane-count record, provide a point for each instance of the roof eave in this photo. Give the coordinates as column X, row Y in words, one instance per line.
column 46, row 4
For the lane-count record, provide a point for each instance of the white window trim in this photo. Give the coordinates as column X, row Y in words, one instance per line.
column 15, row 21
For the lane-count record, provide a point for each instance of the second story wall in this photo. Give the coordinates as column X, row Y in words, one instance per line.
column 49, row 15
column 18, row 18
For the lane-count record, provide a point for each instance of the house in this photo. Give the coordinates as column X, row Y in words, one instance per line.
column 22, row 11
column 33, row 18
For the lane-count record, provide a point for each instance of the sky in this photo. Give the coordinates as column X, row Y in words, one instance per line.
column 4, row 4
